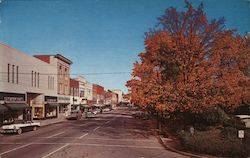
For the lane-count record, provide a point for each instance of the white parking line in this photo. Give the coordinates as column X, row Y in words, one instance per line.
column 86, row 144
column 55, row 135
column 55, row 151
column 15, row 149
column 108, row 122
column 83, row 135
column 96, row 128
column 84, row 124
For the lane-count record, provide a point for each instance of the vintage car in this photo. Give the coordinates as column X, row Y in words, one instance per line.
column 19, row 126
column 74, row 115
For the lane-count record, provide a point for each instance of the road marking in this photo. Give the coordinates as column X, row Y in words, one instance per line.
column 134, row 140
column 84, row 124
column 55, row 135
column 83, row 135
column 96, row 128
column 15, row 149
column 108, row 122
column 90, row 144
column 55, row 151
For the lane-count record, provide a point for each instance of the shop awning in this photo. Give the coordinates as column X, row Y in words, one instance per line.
column 17, row 106
column 64, row 104
column 52, row 104
column 84, row 105
column 3, row 108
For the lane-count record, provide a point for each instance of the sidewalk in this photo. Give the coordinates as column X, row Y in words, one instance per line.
column 50, row 121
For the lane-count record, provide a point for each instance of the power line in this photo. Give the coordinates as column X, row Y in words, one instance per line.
column 74, row 74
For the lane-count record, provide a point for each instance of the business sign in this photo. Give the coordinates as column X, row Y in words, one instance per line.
column 12, row 97
column 50, row 99
column 241, row 134
column 63, row 99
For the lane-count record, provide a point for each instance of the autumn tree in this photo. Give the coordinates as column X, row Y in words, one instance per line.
column 190, row 64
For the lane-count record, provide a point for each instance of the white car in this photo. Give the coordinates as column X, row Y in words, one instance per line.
column 19, row 127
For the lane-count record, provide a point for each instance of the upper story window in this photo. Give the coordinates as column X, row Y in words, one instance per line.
column 60, row 71
column 13, row 73
column 35, row 79
column 38, row 79
column 65, row 73
column 32, row 73
column 8, row 73
column 17, row 71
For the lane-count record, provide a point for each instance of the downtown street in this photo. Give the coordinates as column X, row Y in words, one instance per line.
column 109, row 135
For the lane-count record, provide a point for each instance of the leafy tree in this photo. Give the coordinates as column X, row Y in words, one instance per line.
column 190, row 64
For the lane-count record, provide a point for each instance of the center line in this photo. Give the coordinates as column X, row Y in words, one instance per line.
column 14, row 149
column 55, row 135
column 83, row 135
column 96, row 128
column 55, row 151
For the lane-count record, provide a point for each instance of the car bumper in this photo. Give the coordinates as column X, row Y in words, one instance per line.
column 3, row 131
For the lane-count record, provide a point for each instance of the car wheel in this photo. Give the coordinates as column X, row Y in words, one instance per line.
column 19, row 131
column 34, row 128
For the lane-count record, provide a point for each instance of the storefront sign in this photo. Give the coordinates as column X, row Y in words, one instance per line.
column 12, row 97
column 241, row 134
column 63, row 99
column 50, row 99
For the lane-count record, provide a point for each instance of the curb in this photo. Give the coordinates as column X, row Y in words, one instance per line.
column 167, row 147
column 177, row 151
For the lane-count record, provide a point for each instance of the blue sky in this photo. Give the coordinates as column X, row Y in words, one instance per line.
column 99, row 35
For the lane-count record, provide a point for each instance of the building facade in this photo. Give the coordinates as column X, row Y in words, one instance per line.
column 111, row 98
column 27, row 81
column 62, row 64
column 98, row 94
column 120, row 94
column 85, row 88
column 74, row 94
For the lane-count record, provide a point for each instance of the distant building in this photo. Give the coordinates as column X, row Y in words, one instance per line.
column 98, row 94
column 85, row 88
column 120, row 94
column 74, row 94
column 111, row 98
column 63, row 78
column 27, row 85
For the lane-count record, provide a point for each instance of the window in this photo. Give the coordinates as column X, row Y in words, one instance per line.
column 13, row 73
column 32, row 78
column 60, row 71
column 65, row 73
column 35, row 79
column 38, row 77
column 8, row 72
column 17, row 71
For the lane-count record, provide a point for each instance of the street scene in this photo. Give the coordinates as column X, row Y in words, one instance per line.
column 124, row 78
column 110, row 134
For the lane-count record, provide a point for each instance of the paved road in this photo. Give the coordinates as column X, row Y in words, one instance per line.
column 114, row 134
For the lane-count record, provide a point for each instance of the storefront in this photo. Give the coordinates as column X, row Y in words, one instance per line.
column 64, row 104
column 51, row 107
column 3, row 111
column 14, row 108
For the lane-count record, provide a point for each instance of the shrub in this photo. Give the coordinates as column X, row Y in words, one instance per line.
column 211, row 142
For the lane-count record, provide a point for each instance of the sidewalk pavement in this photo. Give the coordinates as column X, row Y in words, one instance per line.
column 50, row 121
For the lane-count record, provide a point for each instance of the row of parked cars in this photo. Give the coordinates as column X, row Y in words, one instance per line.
column 86, row 113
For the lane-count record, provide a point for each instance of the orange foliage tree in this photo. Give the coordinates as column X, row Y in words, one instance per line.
column 190, row 64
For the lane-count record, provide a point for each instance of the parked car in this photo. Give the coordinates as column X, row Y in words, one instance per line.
column 19, row 126
column 74, row 115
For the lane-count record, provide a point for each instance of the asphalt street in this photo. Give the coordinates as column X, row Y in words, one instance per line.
column 114, row 134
